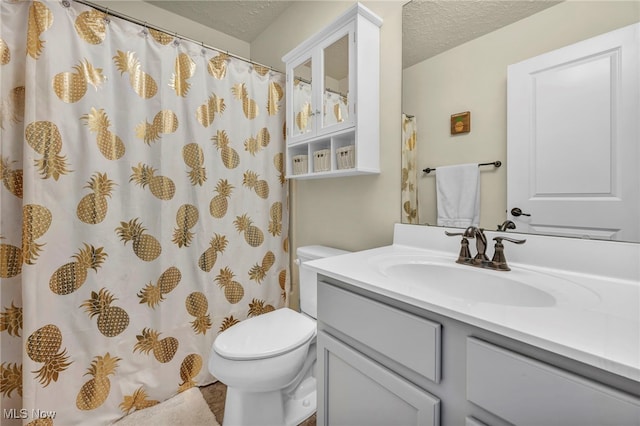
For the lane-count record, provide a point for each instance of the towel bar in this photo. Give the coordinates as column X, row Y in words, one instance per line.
column 493, row 163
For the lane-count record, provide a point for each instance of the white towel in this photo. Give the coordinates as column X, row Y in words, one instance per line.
column 458, row 195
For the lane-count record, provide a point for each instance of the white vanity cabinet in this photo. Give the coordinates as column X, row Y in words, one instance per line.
column 386, row 362
column 332, row 99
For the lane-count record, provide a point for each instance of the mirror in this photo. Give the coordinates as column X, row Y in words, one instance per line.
column 455, row 59
column 302, row 107
column 336, row 82
column 335, row 95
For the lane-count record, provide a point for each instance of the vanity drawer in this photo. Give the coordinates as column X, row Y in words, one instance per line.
column 412, row 341
column 524, row 391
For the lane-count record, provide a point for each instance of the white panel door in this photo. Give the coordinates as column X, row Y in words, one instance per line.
column 573, row 141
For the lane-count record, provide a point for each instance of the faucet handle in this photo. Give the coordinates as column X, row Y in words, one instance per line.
column 469, row 232
column 511, row 240
column 465, row 254
column 499, row 261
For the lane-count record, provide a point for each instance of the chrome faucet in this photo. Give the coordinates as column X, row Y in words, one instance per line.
column 497, row 263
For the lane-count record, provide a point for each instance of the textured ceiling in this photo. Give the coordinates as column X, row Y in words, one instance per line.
column 433, row 27
column 429, row 26
column 244, row 20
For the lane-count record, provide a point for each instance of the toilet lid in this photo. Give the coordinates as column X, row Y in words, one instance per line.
column 266, row 335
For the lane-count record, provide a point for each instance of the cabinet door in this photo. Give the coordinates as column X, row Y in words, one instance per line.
column 304, row 103
column 354, row 390
column 337, row 80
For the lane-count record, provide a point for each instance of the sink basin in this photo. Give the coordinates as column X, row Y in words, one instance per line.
column 518, row 287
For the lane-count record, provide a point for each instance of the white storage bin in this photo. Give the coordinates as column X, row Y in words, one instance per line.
column 321, row 160
column 300, row 164
column 345, row 157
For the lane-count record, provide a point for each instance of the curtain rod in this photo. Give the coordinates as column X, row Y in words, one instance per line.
column 145, row 24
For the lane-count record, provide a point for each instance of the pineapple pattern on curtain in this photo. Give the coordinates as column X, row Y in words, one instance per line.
column 409, row 193
column 143, row 210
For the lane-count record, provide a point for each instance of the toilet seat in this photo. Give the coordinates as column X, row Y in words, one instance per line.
column 265, row 336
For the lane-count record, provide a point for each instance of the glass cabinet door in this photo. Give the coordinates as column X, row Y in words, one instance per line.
column 303, row 111
column 335, row 99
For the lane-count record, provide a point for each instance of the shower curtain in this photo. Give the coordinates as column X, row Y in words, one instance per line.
column 409, row 185
column 143, row 210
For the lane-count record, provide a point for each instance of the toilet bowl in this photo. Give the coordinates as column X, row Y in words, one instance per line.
column 268, row 361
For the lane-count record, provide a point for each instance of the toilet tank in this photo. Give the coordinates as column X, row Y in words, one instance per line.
column 308, row 278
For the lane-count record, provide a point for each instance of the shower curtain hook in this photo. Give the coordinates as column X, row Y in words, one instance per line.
column 65, row 3
column 106, row 18
column 203, row 51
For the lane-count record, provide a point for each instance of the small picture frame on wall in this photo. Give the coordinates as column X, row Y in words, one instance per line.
column 461, row 123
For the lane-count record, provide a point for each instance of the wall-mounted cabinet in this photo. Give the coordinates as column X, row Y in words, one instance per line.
column 333, row 97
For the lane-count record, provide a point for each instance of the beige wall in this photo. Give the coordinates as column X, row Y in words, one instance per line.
column 472, row 77
column 352, row 213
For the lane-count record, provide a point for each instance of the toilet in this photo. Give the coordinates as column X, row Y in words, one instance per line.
column 268, row 361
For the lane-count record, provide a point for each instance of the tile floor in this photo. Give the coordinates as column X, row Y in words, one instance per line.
column 215, row 394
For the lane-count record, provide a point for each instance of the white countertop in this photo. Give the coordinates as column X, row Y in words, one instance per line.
column 603, row 330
